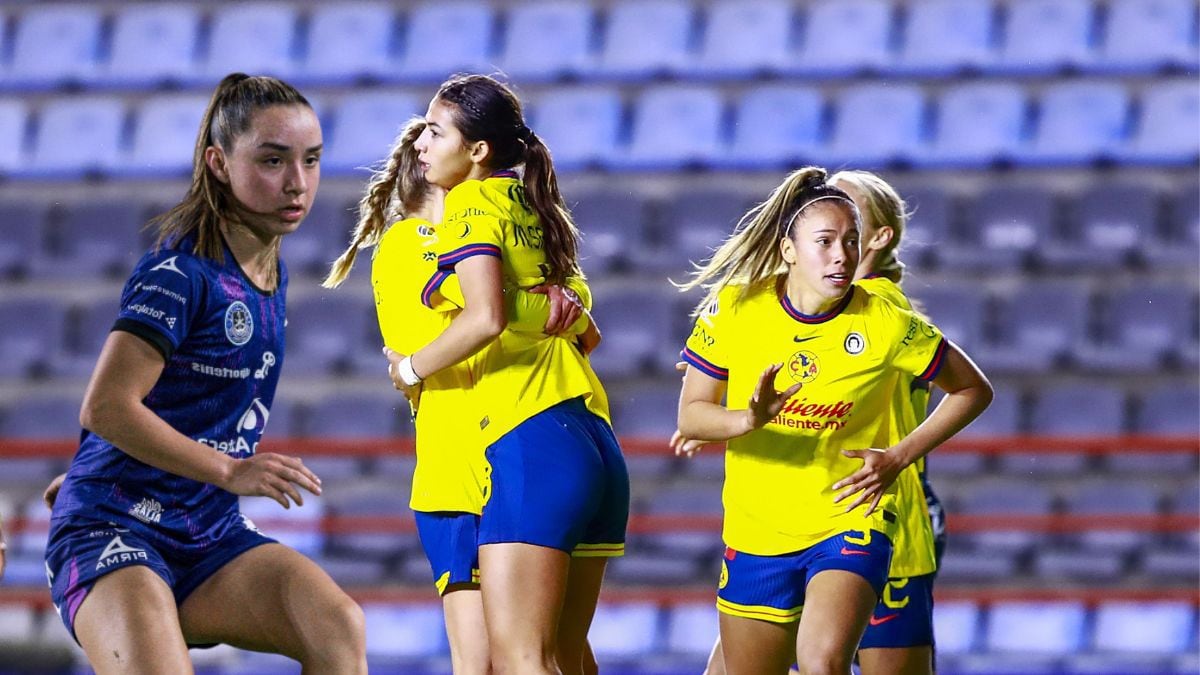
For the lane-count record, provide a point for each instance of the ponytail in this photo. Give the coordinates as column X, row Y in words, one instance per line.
column 541, row 188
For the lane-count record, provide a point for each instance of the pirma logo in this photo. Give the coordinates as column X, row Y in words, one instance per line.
column 117, row 552
column 169, row 265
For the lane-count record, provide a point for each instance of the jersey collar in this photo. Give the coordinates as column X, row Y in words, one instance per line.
column 815, row 318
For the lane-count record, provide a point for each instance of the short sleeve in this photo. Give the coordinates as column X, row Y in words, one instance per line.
column 917, row 346
column 161, row 299
column 471, row 227
column 706, row 346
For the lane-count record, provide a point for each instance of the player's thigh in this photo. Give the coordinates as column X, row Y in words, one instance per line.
column 896, row 660
column 837, row 606
column 755, row 647
column 523, row 591
column 269, row 598
column 128, row 623
column 462, row 605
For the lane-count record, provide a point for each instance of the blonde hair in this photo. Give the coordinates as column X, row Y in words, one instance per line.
column 395, row 189
column 885, row 208
column 750, row 256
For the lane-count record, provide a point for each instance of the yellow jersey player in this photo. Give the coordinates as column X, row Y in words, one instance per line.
column 810, row 500
column 560, row 490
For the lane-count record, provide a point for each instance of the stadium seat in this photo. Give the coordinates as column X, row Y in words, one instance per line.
column 462, row 32
column 636, row 323
column 931, row 211
column 1146, row 35
column 579, row 125
column 78, row 136
column 775, row 126
column 548, row 40
column 627, row 630
column 977, row 125
column 252, row 37
column 22, row 234
column 367, row 498
column 43, row 418
column 1078, row 123
column 1051, row 319
column 646, row 39
column 350, row 41
column 1170, row 409
column 13, row 121
column 322, row 237
column 55, row 45
column 1170, row 110
column 1090, row 409
column 361, row 415
column 91, row 324
column 1176, row 246
column 1046, row 36
column 965, row 565
column 1144, row 325
column 1036, row 627
column 957, row 311
column 364, row 128
column 405, row 630
column 692, row 224
column 674, row 127
column 92, row 239
column 298, row 527
column 355, row 571
column 1002, row 228
column 1126, row 496
column 153, row 45
column 845, row 38
column 692, row 628
column 1140, row 627
column 994, row 497
column 876, row 125
column 745, row 38
column 32, row 332
column 164, row 136
column 645, row 411
column 324, row 331
column 1104, row 228
column 1071, row 564
column 956, row 627
column 1002, row 418
column 943, row 37
column 613, row 224
column 654, row 568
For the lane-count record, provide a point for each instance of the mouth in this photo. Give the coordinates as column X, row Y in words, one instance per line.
column 424, row 167
column 292, row 213
column 838, row 278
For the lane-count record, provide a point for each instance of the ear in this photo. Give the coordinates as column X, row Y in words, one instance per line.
column 214, row 157
column 788, row 250
column 479, row 152
column 883, row 237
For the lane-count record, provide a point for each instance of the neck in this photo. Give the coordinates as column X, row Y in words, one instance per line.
column 257, row 256
column 808, row 301
column 866, row 266
column 431, row 207
column 478, row 172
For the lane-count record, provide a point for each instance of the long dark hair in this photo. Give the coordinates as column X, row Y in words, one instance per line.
column 485, row 109
column 209, row 201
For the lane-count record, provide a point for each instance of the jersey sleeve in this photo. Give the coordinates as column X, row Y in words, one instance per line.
column 706, row 348
column 888, row 290
column 472, row 226
column 161, row 300
column 917, row 346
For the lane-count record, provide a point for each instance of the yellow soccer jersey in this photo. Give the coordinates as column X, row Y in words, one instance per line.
column 778, row 479
column 521, row 373
column 912, row 553
column 451, row 472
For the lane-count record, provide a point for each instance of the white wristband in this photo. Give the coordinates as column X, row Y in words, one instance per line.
column 405, row 370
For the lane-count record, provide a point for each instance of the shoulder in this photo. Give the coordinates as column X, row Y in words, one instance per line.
column 886, row 289
column 173, row 265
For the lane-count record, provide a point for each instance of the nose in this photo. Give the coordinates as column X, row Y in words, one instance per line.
column 296, row 180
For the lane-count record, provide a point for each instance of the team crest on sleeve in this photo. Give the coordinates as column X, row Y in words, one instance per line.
column 855, row 344
column 803, row 367
column 239, row 323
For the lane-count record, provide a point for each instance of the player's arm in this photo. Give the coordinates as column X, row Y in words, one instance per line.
column 701, row 414
column 481, row 320
column 113, row 407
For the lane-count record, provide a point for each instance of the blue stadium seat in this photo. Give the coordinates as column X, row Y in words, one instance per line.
column 252, row 37
column 931, row 210
column 1036, row 627
column 973, row 566
column 1079, row 122
column 22, row 234
column 691, row 629
column 646, row 39
column 405, row 631
column 44, row 418
column 1065, row 563
column 1142, row 35
column 1047, row 36
column 613, row 223
column 845, row 38
column 32, row 333
column 548, row 40
column 77, row 136
column 1104, row 229
column 776, row 126
column 745, row 38
column 977, row 125
column 366, row 498
column 298, row 527
column 674, row 127
column 323, row 331
column 55, row 45
column 627, row 630
column 153, row 45
column 358, row 415
column 1176, row 248
column 93, row 238
column 164, row 136
column 1172, row 409
column 364, row 128
column 579, row 125
column 1003, row 227
column 348, row 41
column 692, row 224
column 635, row 322
column 324, row 234
column 1144, row 324
column 1155, row 626
column 995, row 496
column 648, row 411
column 1090, row 409
column 13, row 121
column 462, row 33
column 1170, row 111
column 956, row 310
column 877, row 124
column 1125, row 496
column 956, row 627
column 946, row 36
column 653, row 568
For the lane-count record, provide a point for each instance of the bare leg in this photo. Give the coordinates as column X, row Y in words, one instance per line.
column 463, row 607
column 579, row 606
column 753, row 647
column 896, row 661
column 524, row 587
column 129, row 624
column 837, row 606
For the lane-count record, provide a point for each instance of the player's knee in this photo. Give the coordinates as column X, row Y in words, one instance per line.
column 824, row 662
column 345, row 626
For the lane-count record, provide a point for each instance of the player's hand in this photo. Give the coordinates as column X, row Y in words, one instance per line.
column 590, row 338
column 413, row 392
column 565, row 308
column 681, row 367
column 879, row 470
column 766, row 402
column 3, row 551
column 268, row 474
column 684, row 446
column 51, row 493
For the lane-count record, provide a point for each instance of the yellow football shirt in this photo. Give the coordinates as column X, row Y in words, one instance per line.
column 778, row 479
column 912, row 552
column 521, row 373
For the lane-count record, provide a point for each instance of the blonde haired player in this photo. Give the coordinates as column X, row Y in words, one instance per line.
column 781, row 313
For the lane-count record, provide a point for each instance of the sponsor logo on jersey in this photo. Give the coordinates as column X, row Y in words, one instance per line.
column 148, row 511
column 268, row 360
column 155, row 288
column 855, row 344
column 118, row 552
column 138, row 308
column 802, row 414
column 216, row 371
column 253, row 420
column 239, row 323
column 169, row 266
column 803, row 366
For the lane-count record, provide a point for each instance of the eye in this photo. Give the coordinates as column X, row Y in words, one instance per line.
column 273, row 161
column 824, row 241
column 312, row 160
